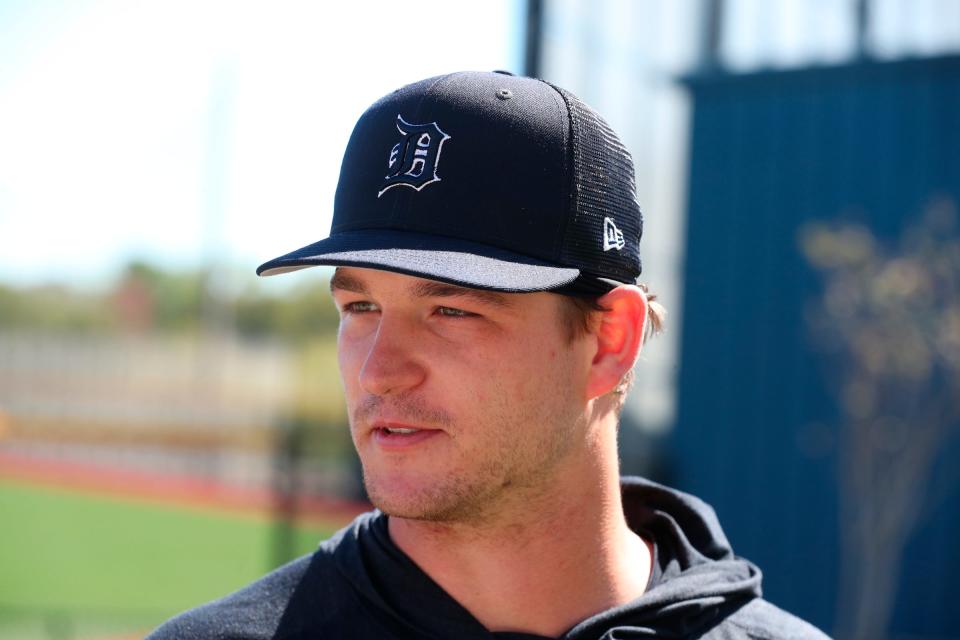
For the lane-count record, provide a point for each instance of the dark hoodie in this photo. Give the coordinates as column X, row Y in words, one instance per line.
column 358, row 584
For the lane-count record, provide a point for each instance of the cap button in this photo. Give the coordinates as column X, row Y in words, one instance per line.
column 504, row 94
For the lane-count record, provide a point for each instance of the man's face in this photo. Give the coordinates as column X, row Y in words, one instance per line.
column 459, row 400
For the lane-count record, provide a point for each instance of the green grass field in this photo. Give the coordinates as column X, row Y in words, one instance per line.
column 74, row 565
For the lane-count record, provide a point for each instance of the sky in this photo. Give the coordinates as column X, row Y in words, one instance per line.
column 200, row 133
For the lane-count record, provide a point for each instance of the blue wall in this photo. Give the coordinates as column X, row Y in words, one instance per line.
column 756, row 430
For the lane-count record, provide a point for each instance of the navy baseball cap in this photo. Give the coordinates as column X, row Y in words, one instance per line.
column 484, row 180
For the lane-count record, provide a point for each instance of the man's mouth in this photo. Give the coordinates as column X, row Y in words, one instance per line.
column 391, row 436
column 400, row 430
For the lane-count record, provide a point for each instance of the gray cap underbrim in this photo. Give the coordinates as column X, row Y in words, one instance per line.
column 465, row 266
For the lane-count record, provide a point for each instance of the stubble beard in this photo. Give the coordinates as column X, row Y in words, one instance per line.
column 451, row 500
column 510, row 473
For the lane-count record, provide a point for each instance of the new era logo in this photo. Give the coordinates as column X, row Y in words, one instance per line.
column 612, row 237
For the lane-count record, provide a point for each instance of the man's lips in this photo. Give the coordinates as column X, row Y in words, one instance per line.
column 393, row 435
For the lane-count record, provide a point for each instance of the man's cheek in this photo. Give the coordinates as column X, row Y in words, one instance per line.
column 349, row 360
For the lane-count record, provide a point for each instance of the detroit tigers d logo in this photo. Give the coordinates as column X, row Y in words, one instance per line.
column 413, row 160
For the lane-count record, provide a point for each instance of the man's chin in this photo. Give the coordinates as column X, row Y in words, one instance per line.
column 398, row 504
column 423, row 503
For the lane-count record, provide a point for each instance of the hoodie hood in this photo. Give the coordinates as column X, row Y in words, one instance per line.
column 359, row 584
column 696, row 582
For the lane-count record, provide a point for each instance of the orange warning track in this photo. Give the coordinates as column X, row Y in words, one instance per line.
column 171, row 489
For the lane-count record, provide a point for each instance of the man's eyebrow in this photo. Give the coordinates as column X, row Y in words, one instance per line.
column 425, row 289
column 342, row 281
column 443, row 290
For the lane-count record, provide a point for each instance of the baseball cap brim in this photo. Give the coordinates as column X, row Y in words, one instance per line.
column 428, row 256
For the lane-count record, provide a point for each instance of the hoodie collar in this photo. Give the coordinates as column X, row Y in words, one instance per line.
column 696, row 583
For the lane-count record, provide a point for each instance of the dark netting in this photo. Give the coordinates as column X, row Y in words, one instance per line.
column 603, row 187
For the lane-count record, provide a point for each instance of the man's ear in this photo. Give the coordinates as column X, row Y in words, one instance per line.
column 619, row 338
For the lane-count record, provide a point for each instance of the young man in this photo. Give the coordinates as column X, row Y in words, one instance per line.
column 486, row 235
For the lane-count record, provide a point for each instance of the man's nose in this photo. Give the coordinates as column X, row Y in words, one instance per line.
column 393, row 363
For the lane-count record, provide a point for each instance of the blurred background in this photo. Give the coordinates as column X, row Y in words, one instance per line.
column 171, row 427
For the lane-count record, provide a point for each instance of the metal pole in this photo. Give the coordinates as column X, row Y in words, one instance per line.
column 711, row 35
column 534, row 39
column 862, row 19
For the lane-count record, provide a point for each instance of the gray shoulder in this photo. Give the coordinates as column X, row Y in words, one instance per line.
column 252, row 613
column 760, row 620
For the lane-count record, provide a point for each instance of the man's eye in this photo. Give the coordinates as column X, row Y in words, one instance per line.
column 450, row 312
column 360, row 306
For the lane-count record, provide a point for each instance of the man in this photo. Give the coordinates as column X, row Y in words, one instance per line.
column 486, row 235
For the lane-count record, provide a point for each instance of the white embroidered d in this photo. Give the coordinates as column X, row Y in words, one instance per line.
column 414, row 159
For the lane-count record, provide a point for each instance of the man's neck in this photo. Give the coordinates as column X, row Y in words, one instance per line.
column 543, row 568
